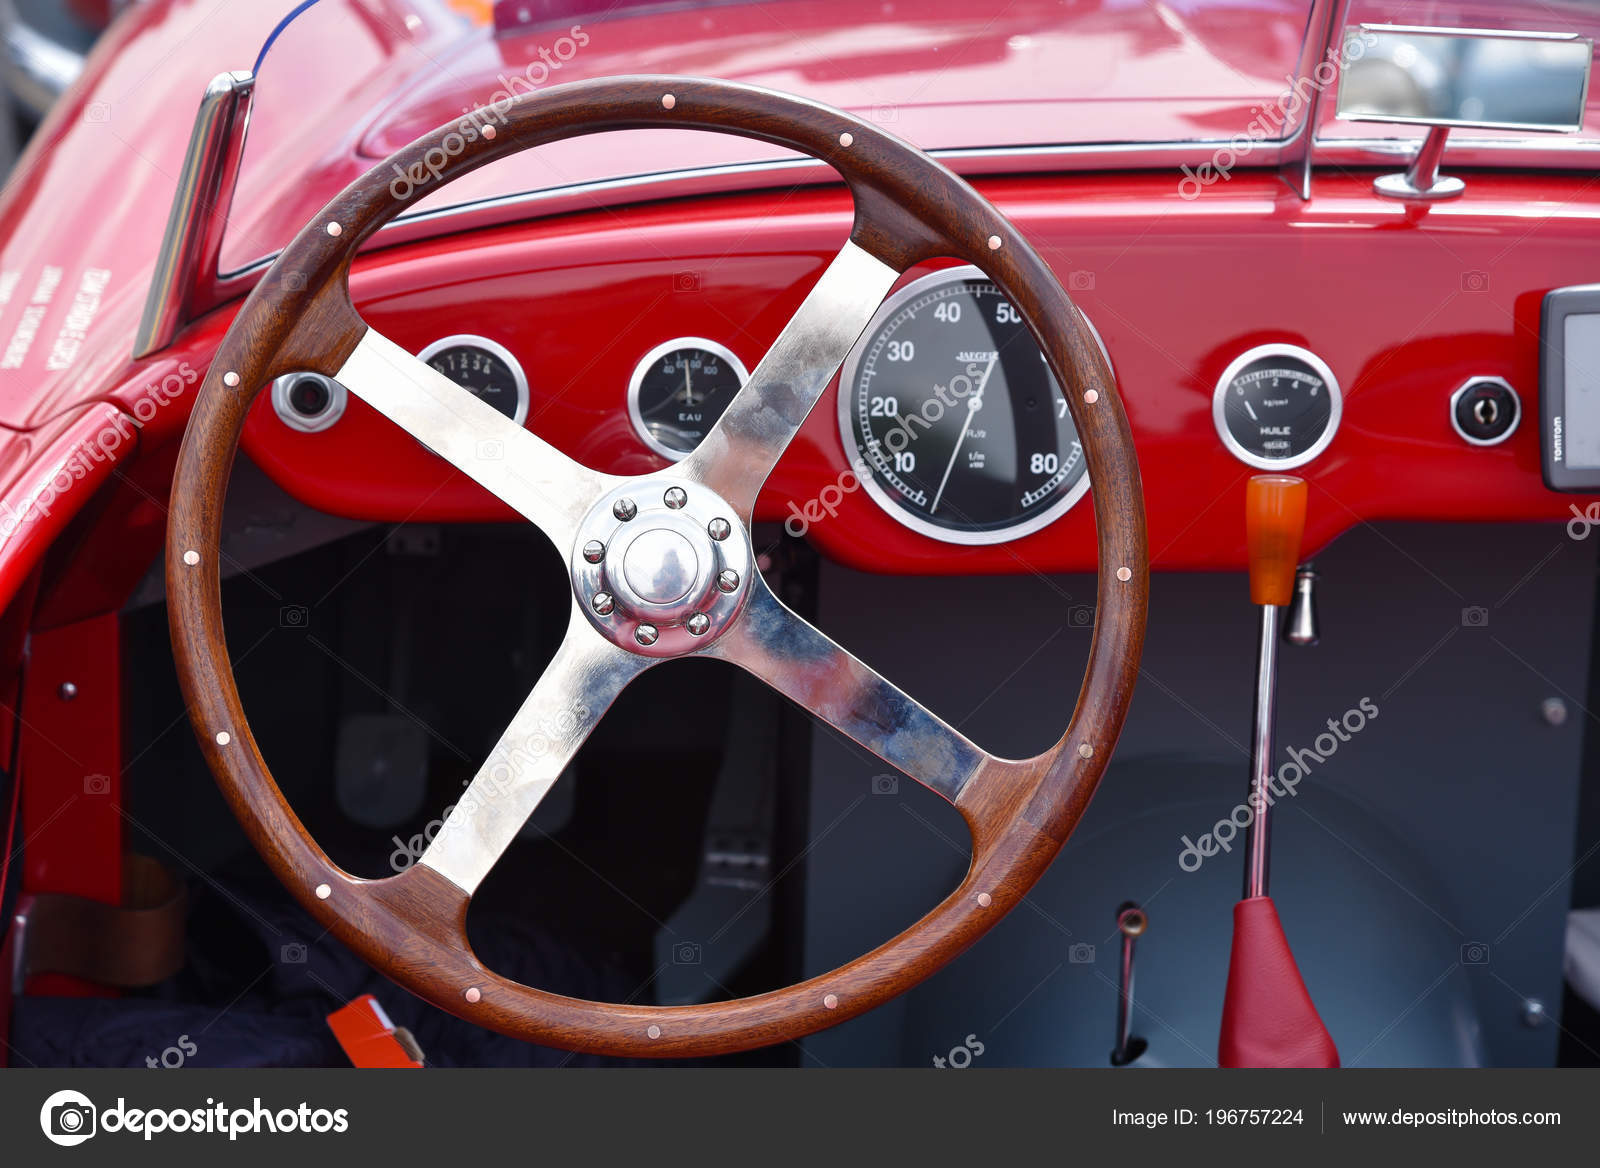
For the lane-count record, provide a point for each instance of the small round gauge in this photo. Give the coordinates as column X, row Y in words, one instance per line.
column 1277, row 406
column 484, row 368
column 957, row 425
column 679, row 390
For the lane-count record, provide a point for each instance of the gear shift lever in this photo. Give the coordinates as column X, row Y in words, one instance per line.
column 1275, row 519
column 1268, row 1018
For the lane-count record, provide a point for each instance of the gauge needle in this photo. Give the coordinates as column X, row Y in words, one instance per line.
column 688, row 386
column 972, row 407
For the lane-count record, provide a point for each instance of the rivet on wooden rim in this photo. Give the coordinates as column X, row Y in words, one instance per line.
column 1124, row 574
column 984, row 900
column 667, row 102
column 1091, row 396
column 223, row 738
column 489, row 132
column 473, row 994
column 323, row 892
column 191, row 557
column 847, row 139
column 335, row 229
column 1085, row 750
column 655, row 1031
column 831, row 1001
column 994, row 243
column 230, row 379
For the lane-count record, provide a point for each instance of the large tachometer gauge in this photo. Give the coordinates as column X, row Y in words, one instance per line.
column 1276, row 406
column 958, row 428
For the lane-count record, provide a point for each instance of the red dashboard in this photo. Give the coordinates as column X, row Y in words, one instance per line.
column 1403, row 303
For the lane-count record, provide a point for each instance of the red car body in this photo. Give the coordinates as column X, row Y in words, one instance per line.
column 83, row 216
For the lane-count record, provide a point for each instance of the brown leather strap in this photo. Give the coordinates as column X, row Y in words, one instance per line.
column 137, row 944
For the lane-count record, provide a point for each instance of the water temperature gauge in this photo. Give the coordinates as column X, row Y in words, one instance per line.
column 679, row 390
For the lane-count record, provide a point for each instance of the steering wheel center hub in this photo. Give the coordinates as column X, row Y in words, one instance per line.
column 661, row 566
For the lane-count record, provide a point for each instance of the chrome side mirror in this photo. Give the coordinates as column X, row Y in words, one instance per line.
column 1447, row 77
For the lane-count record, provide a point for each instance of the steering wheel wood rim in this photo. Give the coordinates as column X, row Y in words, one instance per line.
column 412, row 926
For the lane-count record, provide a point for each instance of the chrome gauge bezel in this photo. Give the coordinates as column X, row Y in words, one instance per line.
column 636, row 382
column 1219, row 418
column 338, row 399
column 882, row 497
column 494, row 348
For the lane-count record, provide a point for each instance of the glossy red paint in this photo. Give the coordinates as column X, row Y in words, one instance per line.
column 1389, row 296
column 1404, row 304
column 71, row 767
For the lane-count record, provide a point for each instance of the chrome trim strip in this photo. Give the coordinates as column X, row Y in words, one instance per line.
column 1295, row 160
column 186, row 265
column 171, row 299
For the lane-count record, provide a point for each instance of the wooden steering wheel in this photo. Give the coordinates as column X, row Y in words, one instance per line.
column 661, row 567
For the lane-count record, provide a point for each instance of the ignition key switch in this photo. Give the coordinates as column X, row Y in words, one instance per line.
column 1485, row 410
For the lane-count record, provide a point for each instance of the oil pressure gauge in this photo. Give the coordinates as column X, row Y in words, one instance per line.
column 1276, row 406
column 486, row 369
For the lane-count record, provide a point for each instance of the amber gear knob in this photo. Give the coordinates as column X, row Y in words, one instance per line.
column 1274, row 521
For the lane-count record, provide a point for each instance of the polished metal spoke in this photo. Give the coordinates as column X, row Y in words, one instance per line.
column 518, row 466
column 801, row 663
column 742, row 448
column 585, row 677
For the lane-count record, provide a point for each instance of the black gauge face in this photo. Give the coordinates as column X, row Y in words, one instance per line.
column 679, row 390
column 958, row 426
column 485, row 369
column 1277, row 406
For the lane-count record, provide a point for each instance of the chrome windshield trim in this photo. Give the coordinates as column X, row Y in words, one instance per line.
column 185, row 282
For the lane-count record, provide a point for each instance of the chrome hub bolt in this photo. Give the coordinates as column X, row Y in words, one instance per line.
column 727, row 580
column 594, row 551
column 675, row 497
column 699, row 623
column 603, row 603
column 718, row 529
column 646, row 634
column 624, row 509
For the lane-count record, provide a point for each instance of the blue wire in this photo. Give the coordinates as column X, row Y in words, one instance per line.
column 282, row 24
